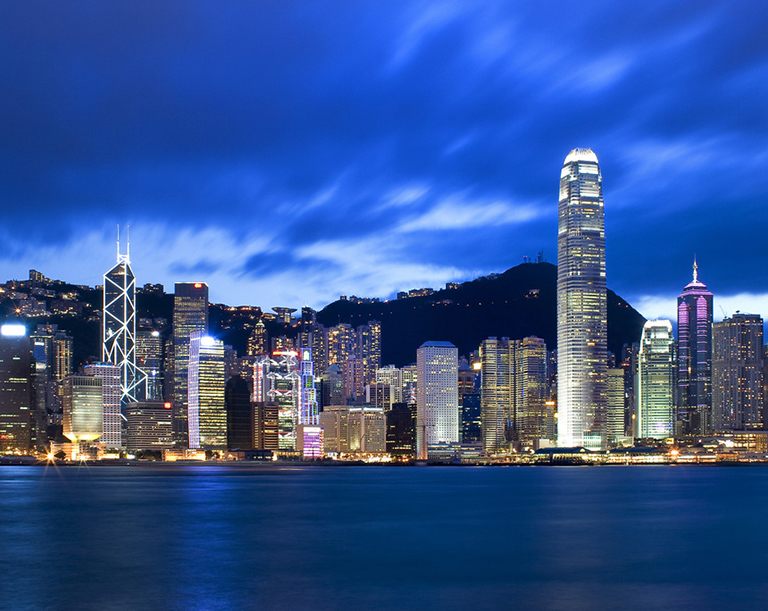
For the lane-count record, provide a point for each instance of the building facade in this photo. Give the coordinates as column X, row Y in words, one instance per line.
column 437, row 398
column 582, row 326
column 207, row 414
column 694, row 360
column 655, row 388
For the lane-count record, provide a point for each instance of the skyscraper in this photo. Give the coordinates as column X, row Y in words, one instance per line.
column 737, row 372
column 437, row 398
column 582, row 326
column 111, row 391
column 694, row 361
column 16, row 369
column 655, row 389
column 497, row 392
column 207, row 414
column 530, row 389
column 119, row 327
column 190, row 313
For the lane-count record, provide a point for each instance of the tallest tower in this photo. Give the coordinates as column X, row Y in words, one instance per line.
column 582, row 326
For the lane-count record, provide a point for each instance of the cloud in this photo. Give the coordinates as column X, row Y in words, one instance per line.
column 464, row 213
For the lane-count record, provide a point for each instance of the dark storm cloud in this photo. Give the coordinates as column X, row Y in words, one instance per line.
column 421, row 138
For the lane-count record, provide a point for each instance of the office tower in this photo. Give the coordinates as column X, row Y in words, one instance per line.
column 333, row 421
column 150, row 357
column 409, row 376
column 279, row 381
column 240, row 414
column 354, row 429
column 737, row 372
column 149, row 426
column 119, row 327
column 83, row 408
column 614, row 406
column 391, row 376
column 266, row 434
column 258, row 340
column 530, row 415
column 497, row 393
column 190, row 313
column 17, row 423
column 401, row 431
column 207, row 415
column 112, row 392
column 369, row 349
column 309, row 435
column 437, row 399
column 332, row 384
column 582, row 335
column 629, row 356
column 655, row 389
column 694, row 360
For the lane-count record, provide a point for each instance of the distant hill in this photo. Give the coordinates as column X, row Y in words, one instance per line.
column 520, row 302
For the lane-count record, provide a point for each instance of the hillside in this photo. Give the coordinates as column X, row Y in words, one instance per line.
column 520, row 302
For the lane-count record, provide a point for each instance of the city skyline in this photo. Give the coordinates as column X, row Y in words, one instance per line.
column 254, row 151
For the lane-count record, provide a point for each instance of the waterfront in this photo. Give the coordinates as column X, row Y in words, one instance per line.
column 266, row 537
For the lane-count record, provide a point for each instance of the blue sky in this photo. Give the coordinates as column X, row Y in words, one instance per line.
column 289, row 152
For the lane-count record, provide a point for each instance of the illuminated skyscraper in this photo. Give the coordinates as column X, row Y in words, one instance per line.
column 207, row 413
column 16, row 409
column 83, row 408
column 437, row 397
column 530, row 389
column 694, row 361
column 497, row 392
column 582, row 324
column 655, row 389
column 737, row 372
column 119, row 327
column 615, row 406
column 280, row 382
column 111, row 391
column 190, row 313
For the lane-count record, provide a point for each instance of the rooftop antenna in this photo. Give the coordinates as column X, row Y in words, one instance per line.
column 118, row 242
column 695, row 270
column 128, row 243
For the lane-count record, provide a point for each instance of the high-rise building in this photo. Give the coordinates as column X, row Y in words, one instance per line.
column 112, row 392
column 694, row 360
column 150, row 357
column 437, row 398
column 497, row 392
column 83, row 408
column 582, row 323
column 401, row 430
column 530, row 417
column 207, row 415
column 190, row 313
column 17, row 430
column 614, row 406
column 655, row 388
column 240, row 415
column 119, row 327
column 258, row 341
column 737, row 372
column 279, row 381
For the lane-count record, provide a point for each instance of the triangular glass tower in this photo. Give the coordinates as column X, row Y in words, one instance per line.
column 119, row 327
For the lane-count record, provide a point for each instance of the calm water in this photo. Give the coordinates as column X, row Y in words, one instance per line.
column 166, row 537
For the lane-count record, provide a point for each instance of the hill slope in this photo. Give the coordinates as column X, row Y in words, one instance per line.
column 520, row 302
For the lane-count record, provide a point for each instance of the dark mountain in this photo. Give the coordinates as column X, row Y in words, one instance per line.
column 520, row 302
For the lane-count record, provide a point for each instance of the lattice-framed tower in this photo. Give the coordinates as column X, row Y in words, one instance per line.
column 119, row 326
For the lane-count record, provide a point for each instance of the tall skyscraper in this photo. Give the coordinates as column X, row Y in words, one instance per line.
column 119, row 327
column 83, row 408
column 694, row 361
column 437, row 396
column 207, row 414
column 497, row 392
column 190, row 313
column 17, row 429
column 582, row 320
column 279, row 382
column 737, row 372
column 655, row 388
column 614, row 406
column 530, row 422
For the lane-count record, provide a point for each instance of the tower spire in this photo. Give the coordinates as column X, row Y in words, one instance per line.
column 695, row 270
column 118, row 243
column 128, row 243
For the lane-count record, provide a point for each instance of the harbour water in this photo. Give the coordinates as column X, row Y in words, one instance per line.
column 305, row 537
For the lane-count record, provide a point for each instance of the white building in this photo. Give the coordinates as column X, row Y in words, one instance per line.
column 437, row 395
column 582, row 321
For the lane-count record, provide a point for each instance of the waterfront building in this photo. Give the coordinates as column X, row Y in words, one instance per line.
column 614, row 406
column 694, row 360
column 240, row 413
column 119, row 329
column 401, row 430
column 530, row 411
column 437, row 401
column 148, row 425
column 582, row 323
column 17, row 422
column 497, row 393
column 83, row 408
column 737, row 372
column 655, row 388
column 150, row 357
column 277, row 379
column 111, row 397
column 190, row 313
column 207, row 415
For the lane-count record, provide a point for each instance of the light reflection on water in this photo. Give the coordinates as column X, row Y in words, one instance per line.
column 202, row 537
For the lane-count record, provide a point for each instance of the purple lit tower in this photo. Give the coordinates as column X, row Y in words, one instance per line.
column 694, row 369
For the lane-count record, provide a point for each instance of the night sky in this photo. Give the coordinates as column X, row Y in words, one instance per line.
column 288, row 152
